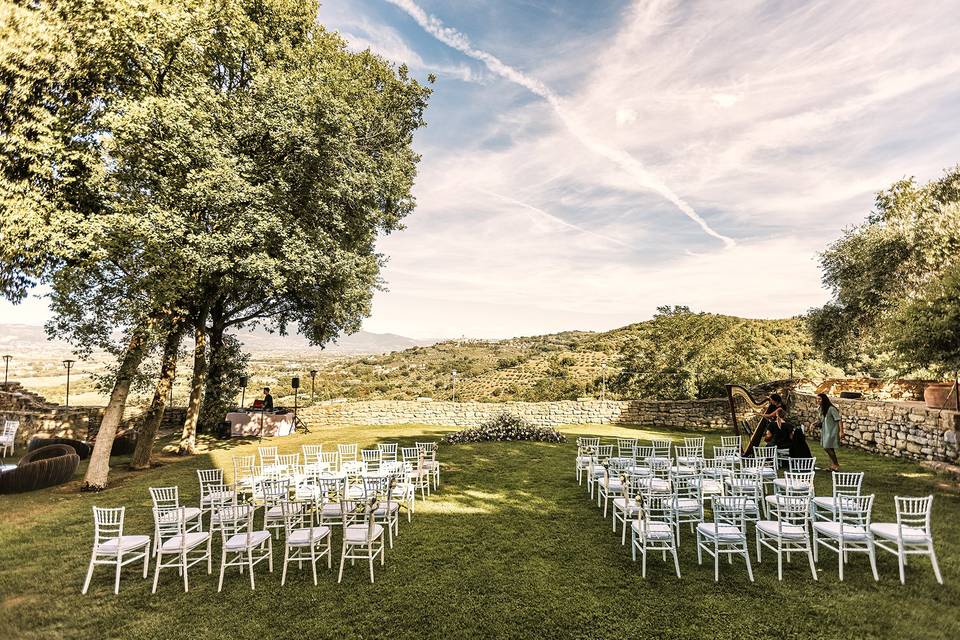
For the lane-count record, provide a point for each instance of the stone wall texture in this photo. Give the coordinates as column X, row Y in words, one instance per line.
column 707, row 415
column 899, row 429
column 37, row 417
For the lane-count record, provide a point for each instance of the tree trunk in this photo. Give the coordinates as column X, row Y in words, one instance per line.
column 215, row 371
column 188, row 440
column 99, row 467
column 154, row 416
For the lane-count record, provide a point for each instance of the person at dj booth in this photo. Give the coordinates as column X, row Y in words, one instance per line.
column 267, row 400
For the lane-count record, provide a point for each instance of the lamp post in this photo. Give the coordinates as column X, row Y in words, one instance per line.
column 793, row 356
column 453, row 376
column 69, row 365
column 313, row 384
column 603, row 388
column 6, row 368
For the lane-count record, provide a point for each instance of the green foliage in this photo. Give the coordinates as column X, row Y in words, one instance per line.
column 222, row 391
column 681, row 354
column 910, row 239
column 926, row 330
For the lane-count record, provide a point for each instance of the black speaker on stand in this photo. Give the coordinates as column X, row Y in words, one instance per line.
column 243, row 390
column 295, row 383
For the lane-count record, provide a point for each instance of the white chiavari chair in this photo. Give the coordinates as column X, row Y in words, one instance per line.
column 911, row 534
column 112, row 547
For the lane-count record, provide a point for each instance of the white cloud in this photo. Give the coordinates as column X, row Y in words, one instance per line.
column 725, row 100
column 642, row 176
column 626, row 116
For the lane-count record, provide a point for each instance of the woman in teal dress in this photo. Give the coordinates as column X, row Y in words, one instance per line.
column 831, row 429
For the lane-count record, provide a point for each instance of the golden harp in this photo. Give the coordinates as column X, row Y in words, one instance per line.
column 747, row 417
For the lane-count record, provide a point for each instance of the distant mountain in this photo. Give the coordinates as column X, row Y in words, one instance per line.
column 31, row 339
column 261, row 343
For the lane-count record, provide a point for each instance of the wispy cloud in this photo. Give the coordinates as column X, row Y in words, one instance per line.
column 646, row 179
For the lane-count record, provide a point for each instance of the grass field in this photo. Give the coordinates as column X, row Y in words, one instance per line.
column 510, row 547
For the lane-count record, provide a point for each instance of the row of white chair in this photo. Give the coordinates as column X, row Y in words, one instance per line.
column 654, row 500
column 304, row 504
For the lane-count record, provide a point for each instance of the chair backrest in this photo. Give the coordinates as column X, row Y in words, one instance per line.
column 767, row 454
column 690, row 454
column 746, row 484
column 311, row 453
column 796, row 483
column 732, row 441
column 660, row 466
column 847, row 483
column 801, row 464
column 359, row 511
column 642, row 452
column 429, row 450
column 169, row 522
column 220, row 496
column 696, row 443
column 268, row 455
column 236, row 519
column 604, row 451
column 686, row 486
column 855, row 510
column 716, row 468
column 372, row 457
column 165, row 497
column 661, row 447
column 273, row 491
column 658, row 507
column 347, row 452
column 792, row 509
column 10, row 428
column 625, row 447
column 330, row 488
column 631, row 483
column 584, row 443
column 731, row 510
column 295, row 517
column 914, row 511
column 388, row 450
column 289, row 462
column 208, row 478
column 107, row 523
column 244, row 467
column 329, row 459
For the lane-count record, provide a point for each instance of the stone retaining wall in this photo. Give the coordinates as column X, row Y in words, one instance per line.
column 900, row 429
column 707, row 415
column 39, row 417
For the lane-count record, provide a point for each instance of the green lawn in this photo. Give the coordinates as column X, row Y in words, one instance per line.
column 509, row 548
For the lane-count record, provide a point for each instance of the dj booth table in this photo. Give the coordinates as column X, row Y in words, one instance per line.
column 245, row 424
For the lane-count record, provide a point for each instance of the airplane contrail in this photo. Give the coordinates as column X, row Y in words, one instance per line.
column 555, row 219
column 459, row 41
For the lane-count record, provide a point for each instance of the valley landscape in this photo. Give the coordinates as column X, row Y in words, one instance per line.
column 626, row 362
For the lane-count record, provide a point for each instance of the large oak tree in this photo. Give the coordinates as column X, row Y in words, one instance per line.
column 203, row 163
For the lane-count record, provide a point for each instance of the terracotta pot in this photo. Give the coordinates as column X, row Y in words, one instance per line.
column 940, row 396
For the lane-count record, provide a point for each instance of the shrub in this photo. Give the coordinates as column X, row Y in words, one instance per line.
column 505, row 428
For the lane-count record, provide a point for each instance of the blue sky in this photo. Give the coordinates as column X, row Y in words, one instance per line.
column 588, row 161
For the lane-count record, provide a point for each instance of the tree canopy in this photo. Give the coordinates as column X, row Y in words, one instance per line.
column 683, row 354
column 884, row 268
column 197, row 163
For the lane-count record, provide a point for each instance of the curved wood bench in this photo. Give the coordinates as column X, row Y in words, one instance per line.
column 40, row 468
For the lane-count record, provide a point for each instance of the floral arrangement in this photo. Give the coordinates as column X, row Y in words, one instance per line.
column 505, row 428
